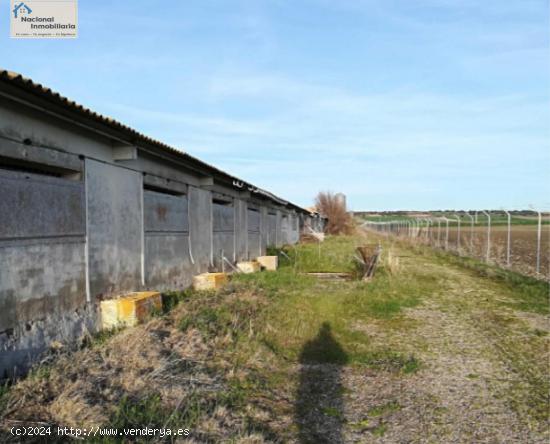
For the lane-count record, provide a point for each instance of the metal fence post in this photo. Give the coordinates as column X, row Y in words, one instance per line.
column 508, row 238
column 427, row 234
column 488, row 235
column 471, row 232
column 439, row 232
column 446, row 233
column 539, row 235
column 458, row 234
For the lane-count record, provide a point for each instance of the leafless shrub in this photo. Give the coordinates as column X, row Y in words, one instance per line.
column 334, row 208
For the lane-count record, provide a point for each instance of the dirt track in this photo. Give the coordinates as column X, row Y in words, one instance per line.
column 475, row 378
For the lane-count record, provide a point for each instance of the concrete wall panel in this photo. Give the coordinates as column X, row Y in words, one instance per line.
column 223, row 241
column 200, row 227
column 42, row 298
column 253, row 226
column 161, row 168
column 285, row 227
column 164, row 213
column 271, row 229
column 115, row 228
column 19, row 123
column 224, row 217
column 278, row 230
column 167, row 261
column 40, row 156
column 254, row 246
column 241, row 231
column 253, row 223
column 34, row 205
column 224, row 236
column 294, row 233
column 40, row 278
column 264, row 230
column 23, row 345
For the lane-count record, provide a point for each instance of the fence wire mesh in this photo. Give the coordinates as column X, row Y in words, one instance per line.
column 518, row 240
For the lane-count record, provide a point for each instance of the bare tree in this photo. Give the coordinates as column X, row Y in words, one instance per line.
column 333, row 207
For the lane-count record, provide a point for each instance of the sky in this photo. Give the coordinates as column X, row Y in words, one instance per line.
column 399, row 104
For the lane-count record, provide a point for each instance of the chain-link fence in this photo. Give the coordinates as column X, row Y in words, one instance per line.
column 519, row 240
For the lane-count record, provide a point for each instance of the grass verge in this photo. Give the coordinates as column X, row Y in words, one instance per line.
column 529, row 294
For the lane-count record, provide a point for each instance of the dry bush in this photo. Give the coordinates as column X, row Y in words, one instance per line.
column 339, row 220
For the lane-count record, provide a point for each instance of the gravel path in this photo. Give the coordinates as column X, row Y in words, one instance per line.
column 475, row 377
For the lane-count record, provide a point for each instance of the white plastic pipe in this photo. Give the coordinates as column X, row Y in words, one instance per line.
column 234, row 208
column 189, row 248
column 228, row 262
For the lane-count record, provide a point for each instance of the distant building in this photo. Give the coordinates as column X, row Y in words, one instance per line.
column 341, row 197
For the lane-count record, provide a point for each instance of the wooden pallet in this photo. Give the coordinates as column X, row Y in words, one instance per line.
column 369, row 255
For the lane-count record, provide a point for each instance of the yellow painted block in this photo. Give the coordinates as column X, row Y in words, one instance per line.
column 129, row 309
column 209, row 281
column 270, row 263
column 248, row 266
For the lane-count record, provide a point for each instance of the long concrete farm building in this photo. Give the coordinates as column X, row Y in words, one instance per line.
column 90, row 208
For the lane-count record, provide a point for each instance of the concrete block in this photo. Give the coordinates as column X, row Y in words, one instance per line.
column 130, row 309
column 248, row 266
column 209, row 281
column 270, row 263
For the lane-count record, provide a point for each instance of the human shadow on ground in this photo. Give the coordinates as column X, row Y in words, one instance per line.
column 319, row 404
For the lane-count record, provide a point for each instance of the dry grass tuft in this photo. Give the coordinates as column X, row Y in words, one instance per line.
column 254, row 438
column 391, row 261
column 174, row 368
